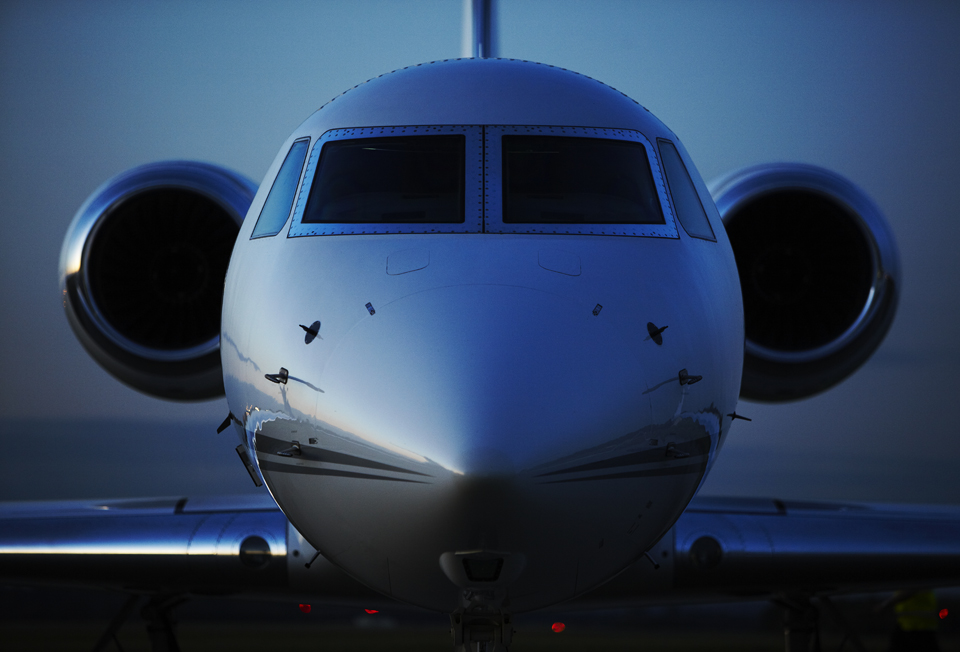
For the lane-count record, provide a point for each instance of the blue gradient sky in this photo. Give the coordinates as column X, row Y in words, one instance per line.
column 870, row 90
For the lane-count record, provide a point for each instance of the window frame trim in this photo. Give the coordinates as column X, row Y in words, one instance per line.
column 472, row 184
column 713, row 234
column 483, row 202
column 493, row 200
column 293, row 199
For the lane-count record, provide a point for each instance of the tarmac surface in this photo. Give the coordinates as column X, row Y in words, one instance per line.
column 40, row 619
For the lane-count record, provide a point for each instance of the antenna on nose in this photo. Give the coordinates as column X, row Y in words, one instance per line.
column 480, row 39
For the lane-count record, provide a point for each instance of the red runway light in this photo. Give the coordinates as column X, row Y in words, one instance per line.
column 943, row 614
column 371, row 611
column 558, row 627
column 305, row 608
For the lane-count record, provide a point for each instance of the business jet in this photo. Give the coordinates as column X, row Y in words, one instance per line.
column 482, row 331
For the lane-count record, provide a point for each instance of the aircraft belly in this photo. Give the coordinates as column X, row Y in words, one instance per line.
column 386, row 519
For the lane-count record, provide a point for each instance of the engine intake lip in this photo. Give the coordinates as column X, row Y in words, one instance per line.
column 141, row 274
column 744, row 188
column 226, row 192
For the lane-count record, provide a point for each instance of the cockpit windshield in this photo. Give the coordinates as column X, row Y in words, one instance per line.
column 530, row 179
column 401, row 179
column 563, row 180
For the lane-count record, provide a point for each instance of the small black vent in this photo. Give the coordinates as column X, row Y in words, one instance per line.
column 706, row 553
column 255, row 552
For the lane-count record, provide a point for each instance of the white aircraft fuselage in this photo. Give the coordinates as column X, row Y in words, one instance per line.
column 486, row 407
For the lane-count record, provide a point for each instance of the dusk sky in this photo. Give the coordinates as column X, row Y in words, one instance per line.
column 868, row 89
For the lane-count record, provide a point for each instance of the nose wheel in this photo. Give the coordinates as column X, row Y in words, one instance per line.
column 481, row 631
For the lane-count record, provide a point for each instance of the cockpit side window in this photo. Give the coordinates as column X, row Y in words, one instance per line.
column 570, row 180
column 277, row 207
column 685, row 199
column 399, row 179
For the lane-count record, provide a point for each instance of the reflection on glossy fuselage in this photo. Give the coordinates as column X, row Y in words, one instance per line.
column 485, row 390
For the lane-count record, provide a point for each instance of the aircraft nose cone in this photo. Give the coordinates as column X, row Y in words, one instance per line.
column 484, row 380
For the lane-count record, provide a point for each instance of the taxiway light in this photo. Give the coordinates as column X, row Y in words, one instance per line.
column 943, row 614
column 305, row 608
column 558, row 627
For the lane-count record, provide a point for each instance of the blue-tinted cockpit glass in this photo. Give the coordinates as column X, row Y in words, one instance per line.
column 685, row 199
column 563, row 180
column 397, row 179
column 280, row 200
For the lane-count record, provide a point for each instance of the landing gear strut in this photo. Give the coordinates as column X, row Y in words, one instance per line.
column 481, row 631
column 801, row 623
column 158, row 613
column 801, row 631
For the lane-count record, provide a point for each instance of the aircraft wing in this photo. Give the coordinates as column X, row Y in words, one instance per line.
column 229, row 545
column 749, row 548
column 720, row 549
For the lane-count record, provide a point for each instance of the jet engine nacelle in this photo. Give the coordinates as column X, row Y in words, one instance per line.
column 142, row 270
column 819, row 271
